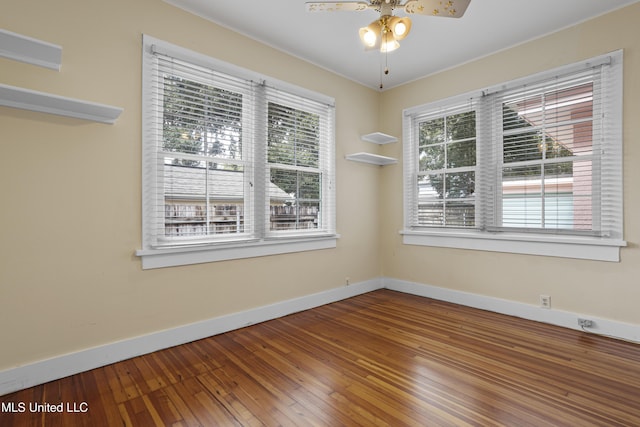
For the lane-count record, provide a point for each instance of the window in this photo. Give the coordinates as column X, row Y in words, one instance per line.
column 531, row 166
column 446, row 169
column 234, row 164
column 294, row 165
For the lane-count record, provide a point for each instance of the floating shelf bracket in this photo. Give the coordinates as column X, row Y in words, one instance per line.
column 26, row 99
column 31, row 51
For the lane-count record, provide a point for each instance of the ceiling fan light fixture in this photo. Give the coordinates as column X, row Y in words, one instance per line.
column 389, row 45
column 400, row 27
column 370, row 35
column 384, row 33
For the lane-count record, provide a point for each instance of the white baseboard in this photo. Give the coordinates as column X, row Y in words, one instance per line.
column 40, row 372
column 601, row 326
column 43, row 371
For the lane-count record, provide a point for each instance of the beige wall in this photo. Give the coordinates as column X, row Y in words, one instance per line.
column 602, row 289
column 71, row 190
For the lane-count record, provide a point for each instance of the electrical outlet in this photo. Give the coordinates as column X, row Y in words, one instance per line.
column 585, row 323
column 545, row 301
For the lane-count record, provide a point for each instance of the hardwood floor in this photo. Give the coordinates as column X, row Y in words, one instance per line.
column 378, row 359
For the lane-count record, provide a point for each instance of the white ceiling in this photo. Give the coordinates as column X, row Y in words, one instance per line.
column 330, row 39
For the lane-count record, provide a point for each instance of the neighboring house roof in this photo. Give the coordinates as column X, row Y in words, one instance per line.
column 183, row 182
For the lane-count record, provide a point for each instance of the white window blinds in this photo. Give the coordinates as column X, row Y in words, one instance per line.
column 539, row 155
column 229, row 157
column 444, row 156
column 298, row 163
column 203, row 175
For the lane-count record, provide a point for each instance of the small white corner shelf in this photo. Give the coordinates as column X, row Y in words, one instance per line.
column 379, row 138
column 31, row 51
column 26, row 99
column 374, row 159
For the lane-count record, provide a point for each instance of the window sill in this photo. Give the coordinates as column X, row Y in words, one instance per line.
column 519, row 243
column 171, row 257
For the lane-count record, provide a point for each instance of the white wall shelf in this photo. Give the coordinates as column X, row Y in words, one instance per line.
column 379, row 138
column 373, row 159
column 26, row 99
column 31, row 51
column 37, row 52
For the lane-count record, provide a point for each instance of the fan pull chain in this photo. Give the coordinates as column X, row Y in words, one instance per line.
column 386, row 68
column 380, row 69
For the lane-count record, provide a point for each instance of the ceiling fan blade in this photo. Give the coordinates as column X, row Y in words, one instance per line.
column 444, row 8
column 333, row 6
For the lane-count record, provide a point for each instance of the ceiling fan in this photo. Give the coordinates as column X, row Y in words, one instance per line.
column 385, row 32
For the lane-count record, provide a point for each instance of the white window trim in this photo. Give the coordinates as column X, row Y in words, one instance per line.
column 564, row 246
column 590, row 248
column 171, row 257
column 159, row 257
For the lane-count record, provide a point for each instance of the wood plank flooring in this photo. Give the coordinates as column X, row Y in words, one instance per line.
column 378, row 359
